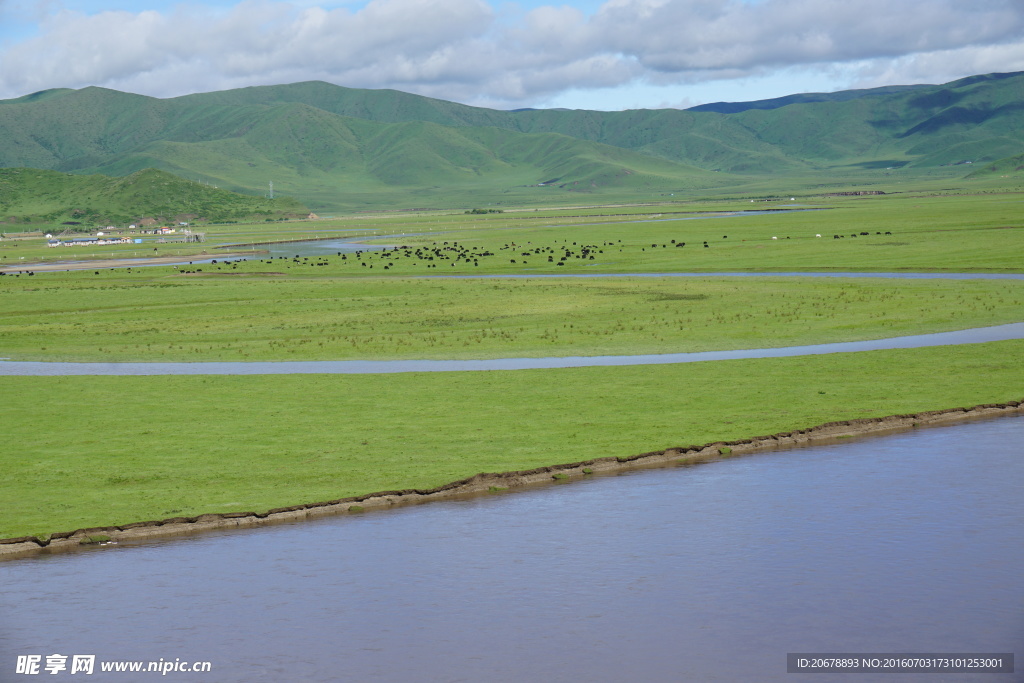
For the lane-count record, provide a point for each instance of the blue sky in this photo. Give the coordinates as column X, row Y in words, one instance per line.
column 585, row 54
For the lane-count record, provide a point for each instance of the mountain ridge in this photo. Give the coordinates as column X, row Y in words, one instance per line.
column 334, row 146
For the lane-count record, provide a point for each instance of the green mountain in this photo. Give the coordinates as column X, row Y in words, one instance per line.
column 803, row 98
column 29, row 195
column 336, row 147
column 1010, row 166
column 243, row 140
column 978, row 118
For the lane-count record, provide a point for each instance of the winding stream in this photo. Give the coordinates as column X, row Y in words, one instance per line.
column 360, row 367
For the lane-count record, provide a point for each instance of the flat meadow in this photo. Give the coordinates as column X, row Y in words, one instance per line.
column 96, row 451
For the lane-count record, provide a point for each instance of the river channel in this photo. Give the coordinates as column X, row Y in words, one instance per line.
column 907, row 543
column 357, row 367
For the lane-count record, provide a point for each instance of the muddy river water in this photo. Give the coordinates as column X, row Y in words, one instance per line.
column 906, row 543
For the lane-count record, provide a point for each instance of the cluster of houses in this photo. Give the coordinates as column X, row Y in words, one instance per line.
column 101, row 238
column 89, row 241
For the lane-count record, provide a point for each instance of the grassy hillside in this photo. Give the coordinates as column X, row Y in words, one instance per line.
column 335, row 161
column 1010, row 166
column 343, row 148
column 977, row 118
column 32, row 196
column 802, row 98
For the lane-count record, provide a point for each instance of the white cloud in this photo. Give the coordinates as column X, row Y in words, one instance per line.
column 941, row 66
column 467, row 51
column 684, row 35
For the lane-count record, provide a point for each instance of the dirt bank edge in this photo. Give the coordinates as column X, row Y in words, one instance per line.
column 485, row 482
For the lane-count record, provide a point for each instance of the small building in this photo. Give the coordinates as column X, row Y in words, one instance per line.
column 88, row 241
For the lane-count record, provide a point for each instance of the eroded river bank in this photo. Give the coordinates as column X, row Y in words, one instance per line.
column 909, row 542
column 494, row 482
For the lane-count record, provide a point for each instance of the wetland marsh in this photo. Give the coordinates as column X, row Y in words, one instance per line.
column 95, row 451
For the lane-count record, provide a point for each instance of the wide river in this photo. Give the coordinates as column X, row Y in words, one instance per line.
column 909, row 543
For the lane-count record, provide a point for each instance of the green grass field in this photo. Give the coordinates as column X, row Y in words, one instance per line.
column 97, row 451
column 143, row 316
column 94, row 451
column 929, row 231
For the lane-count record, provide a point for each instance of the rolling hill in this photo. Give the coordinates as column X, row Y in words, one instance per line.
column 1010, row 166
column 336, row 147
column 29, row 195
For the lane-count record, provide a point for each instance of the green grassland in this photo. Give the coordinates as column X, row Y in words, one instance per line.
column 931, row 230
column 92, row 451
column 96, row 451
column 384, row 304
column 141, row 317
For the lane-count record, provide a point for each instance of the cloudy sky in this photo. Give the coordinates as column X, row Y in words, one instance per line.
column 586, row 54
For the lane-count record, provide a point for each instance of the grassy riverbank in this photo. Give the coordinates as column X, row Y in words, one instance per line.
column 98, row 451
column 153, row 316
column 95, row 451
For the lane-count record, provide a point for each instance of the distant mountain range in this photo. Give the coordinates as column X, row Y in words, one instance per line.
column 335, row 147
